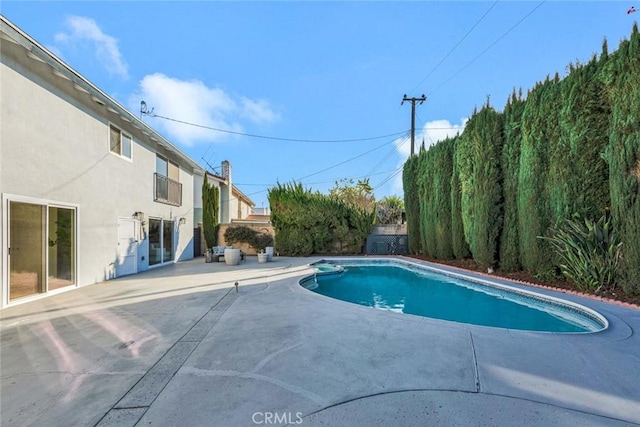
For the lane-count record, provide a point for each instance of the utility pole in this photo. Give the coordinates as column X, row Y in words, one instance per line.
column 413, row 116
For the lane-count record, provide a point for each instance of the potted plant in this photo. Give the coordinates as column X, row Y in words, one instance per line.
column 262, row 257
column 208, row 256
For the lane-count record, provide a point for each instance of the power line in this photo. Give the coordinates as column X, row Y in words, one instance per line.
column 456, row 45
column 272, row 138
column 334, row 166
column 427, row 133
column 388, row 156
column 488, row 47
column 320, row 182
column 389, row 178
column 346, row 161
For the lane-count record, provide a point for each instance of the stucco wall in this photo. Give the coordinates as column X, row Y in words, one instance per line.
column 390, row 229
column 260, row 227
column 56, row 150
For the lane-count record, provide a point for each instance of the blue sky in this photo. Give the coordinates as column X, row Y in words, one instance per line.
column 316, row 71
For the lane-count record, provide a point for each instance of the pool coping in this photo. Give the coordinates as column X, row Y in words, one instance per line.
column 531, row 284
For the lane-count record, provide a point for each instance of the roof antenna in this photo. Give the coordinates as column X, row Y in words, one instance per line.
column 211, row 168
column 144, row 110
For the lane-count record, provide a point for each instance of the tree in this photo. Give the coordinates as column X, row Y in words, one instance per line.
column 478, row 157
column 509, row 243
column 533, row 200
column 458, row 243
column 210, row 210
column 389, row 210
column 412, row 204
column 623, row 154
column 358, row 194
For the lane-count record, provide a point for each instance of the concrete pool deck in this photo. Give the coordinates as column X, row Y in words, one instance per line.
column 178, row 345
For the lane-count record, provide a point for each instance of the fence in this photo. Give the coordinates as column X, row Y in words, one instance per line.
column 387, row 244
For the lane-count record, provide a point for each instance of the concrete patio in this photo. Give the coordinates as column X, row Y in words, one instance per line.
column 179, row 346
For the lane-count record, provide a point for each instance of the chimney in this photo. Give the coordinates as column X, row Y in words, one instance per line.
column 226, row 194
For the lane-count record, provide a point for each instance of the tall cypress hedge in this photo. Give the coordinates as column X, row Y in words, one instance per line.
column 571, row 148
column 459, row 244
column 443, row 161
column 533, row 211
column 435, row 167
column 623, row 154
column 509, row 244
column 426, row 168
column 557, row 150
column 584, row 124
column 478, row 157
column 412, row 204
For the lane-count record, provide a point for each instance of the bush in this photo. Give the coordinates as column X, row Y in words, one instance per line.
column 309, row 223
column 590, row 252
column 258, row 241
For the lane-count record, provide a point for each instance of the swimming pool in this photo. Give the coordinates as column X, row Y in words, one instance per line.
column 415, row 288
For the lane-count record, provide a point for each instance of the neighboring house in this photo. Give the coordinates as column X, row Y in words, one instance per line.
column 89, row 191
column 234, row 204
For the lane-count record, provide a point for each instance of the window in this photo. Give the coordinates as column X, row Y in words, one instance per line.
column 162, row 166
column 167, row 187
column 167, row 168
column 119, row 142
column 174, row 171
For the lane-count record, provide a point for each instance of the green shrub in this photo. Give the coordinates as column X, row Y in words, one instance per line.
column 258, row 241
column 309, row 223
column 590, row 252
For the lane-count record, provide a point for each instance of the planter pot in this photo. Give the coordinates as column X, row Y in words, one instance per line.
column 262, row 258
column 208, row 257
column 232, row 256
column 269, row 252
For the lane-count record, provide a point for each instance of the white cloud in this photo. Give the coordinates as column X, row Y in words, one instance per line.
column 82, row 29
column 193, row 102
column 258, row 111
column 431, row 133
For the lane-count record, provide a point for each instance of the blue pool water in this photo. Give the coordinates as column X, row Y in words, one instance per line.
column 430, row 294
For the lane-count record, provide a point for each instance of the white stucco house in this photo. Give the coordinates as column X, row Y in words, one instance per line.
column 89, row 191
column 234, row 204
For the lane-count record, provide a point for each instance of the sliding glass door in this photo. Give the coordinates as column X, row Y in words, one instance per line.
column 155, row 241
column 62, row 247
column 161, row 238
column 167, row 241
column 42, row 248
column 26, row 249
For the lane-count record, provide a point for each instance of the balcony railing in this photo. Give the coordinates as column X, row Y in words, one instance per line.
column 166, row 190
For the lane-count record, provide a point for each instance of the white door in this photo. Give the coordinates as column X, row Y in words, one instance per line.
column 127, row 247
